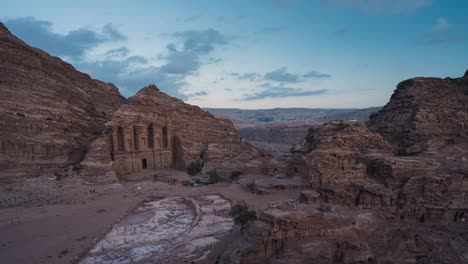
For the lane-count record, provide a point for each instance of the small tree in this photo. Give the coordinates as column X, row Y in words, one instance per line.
column 242, row 215
column 214, row 176
column 194, row 168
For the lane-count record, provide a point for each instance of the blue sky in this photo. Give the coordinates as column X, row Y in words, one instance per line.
column 252, row 54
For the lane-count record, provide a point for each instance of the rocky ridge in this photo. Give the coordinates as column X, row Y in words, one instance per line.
column 409, row 160
column 49, row 112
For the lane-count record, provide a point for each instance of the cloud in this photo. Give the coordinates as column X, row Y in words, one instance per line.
column 251, row 76
column 315, row 74
column 214, row 60
column 201, row 93
column 181, row 58
column 381, row 6
column 73, row 44
column 280, row 91
column 192, row 18
column 180, row 62
column 282, row 75
column 184, row 58
column 133, row 73
column 201, row 41
column 120, row 52
column 441, row 32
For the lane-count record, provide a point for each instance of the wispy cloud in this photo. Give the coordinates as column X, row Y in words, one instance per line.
column 251, row 76
column 441, row 32
column 183, row 56
column 381, row 6
column 282, row 75
column 193, row 18
column 119, row 52
column 270, row 91
column 316, row 74
column 74, row 44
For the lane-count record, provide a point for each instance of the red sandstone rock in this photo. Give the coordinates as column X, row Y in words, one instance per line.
column 191, row 134
column 49, row 112
column 424, row 115
column 352, row 165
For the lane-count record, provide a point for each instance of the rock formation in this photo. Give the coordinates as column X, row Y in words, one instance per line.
column 191, row 134
column 54, row 118
column 424, row 115
column 314, row 233
column 49, row 112
column 410, row 160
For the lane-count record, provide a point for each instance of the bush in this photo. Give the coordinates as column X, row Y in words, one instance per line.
column 214, row 176
column 242, row 215
column 194, row 168
column 235, row 175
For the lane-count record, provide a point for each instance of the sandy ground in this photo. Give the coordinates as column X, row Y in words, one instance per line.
column 42, row 221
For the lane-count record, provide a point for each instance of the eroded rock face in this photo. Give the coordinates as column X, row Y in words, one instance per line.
column 49, row 112
column 314, row 233
column 329, row 156
column 411, row 161
column 424, row 114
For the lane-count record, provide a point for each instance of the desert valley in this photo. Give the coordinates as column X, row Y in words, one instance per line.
column 90, row 176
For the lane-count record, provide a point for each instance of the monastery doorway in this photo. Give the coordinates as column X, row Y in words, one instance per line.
column 144, row 164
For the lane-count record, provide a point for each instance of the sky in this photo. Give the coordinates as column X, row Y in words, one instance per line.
column 252, row 54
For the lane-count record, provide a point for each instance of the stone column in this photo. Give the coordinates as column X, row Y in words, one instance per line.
column 128, row 139
column 115, row 140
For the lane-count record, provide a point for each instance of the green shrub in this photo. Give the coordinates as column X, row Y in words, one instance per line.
column 194, row 168
column 242, row 215
column 214, row 176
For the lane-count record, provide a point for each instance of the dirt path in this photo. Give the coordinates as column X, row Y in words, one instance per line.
column 59, row 228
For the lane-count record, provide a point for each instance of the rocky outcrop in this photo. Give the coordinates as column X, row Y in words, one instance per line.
column 410, row 160
column 424, row 115
column 195, row 134
column 49, row 112
column 314, row 233
column 329, row 156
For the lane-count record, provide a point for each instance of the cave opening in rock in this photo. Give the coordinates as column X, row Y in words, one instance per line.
column 422, row 219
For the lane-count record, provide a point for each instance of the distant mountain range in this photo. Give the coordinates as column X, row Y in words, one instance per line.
column 245, row 118
column 277, row 130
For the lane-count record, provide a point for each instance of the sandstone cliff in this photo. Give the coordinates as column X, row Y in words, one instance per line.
column 411, row 160
column 425, row 114
column 49, row 112
column 322, row 234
